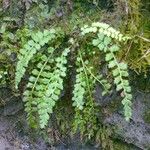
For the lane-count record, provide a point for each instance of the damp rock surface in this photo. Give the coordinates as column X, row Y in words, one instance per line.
column 14, row 133
column 135, row 132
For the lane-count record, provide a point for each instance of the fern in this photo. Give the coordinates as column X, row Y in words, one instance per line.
column 79, row 87
column 120, row 73
column 104, row 29
column 83, row 101
column 46, row 80
column 38, row 40
column 105, row 43
column 84, row 74
column 44, row 88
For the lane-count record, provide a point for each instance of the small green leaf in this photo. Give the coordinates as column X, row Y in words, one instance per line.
column 109, row 56
column 107, row 40
column 46, row 32
column 27, row 47
column 123, row 66
column 116, row 72
column 94, row 29
column 31, row 43
column 119, row 87
column 35, row 38
column 32, row 79
column 101, row 46
column 52, row 31
column 35, row 72
column 104, row 93
column 42, row 42
column 124, row 73
column 112, row 64
column 37, row 46
column 101, row 36
column 114, row 48
column 117, row 80
column 95, row 42
column 54, row 97
column 129, row 96
column 127, row 89
column 39, row 35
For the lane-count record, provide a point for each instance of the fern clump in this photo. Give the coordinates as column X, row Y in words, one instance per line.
column 47, row 77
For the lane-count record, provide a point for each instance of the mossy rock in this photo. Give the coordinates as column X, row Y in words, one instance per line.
column 147, row 116
column 118, row 145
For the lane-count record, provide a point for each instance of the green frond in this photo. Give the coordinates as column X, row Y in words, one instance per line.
column 104, row 41
column 79, row 87
column 120, row 73
column 44, row 88
column 105, row 29
column 38, row 40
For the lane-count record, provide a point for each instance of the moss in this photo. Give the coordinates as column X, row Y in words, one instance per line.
column 114, row 105
column 147, row 116
column 119, row 145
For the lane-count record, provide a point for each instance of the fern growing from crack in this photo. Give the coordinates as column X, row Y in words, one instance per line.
column 46, row 80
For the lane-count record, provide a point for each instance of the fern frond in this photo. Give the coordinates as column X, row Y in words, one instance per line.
column 119, row 71
column 44, row 88
column 79, row 88
column 82, row 84
column 38, row 40
column 105, row 29
column 105, row 42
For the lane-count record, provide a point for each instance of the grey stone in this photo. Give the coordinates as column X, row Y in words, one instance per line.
column 135, row 132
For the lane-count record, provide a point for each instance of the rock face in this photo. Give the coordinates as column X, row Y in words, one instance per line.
column 14, row 132
column 135, row 132
column 9, row 104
